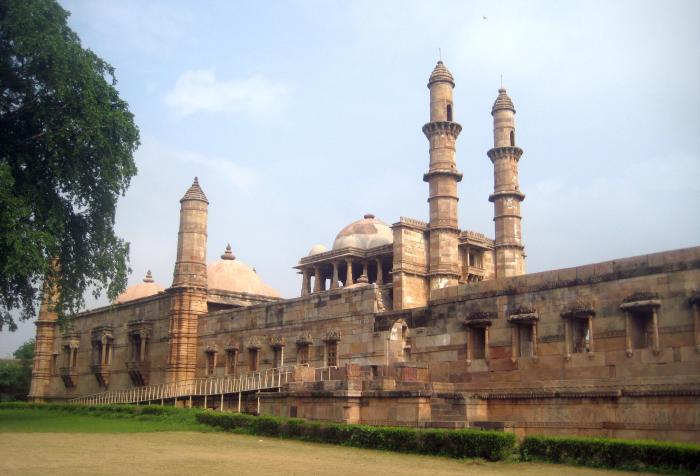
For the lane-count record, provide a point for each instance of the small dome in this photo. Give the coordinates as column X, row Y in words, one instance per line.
column 141, row 290
column 364, row 234
column 502, row 102
column 230, row 274
column 441, row 73
column 317, row 249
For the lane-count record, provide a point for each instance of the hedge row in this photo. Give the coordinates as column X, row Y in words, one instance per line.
column 613, row 453
column 94, row 409
column 455, row 443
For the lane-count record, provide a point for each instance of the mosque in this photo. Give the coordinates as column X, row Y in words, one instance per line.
column 413, row 323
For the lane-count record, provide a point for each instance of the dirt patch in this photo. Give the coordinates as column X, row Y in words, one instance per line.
column 190, row 453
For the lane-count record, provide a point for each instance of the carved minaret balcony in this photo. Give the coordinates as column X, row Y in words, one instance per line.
column 189, row 289
column 442, row 177
column 506, row 196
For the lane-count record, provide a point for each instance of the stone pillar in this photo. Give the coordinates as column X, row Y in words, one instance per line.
column 514, row 343
column 317, row 279
column 305, row 282
column 628, row 333
column 442, row 178
column 334, row 281
column 469, row 345
column 486, row 343
column 695, row 303
column 590, row 333
column 506, row 196
column 380, row 274
column 655, row 330
column 189, row 288
column 46, row 334
column 534, row 339
column 365, row 269
column 348, row 278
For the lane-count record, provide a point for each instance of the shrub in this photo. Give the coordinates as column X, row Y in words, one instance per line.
column 613, row 453
column 455, row 443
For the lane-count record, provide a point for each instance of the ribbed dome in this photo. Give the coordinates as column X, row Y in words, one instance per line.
column 229, row 274
column 441, row 73
column 364, row 234
column 141, row 290
column 195, row 193
column 502, row 102
column 317, row 249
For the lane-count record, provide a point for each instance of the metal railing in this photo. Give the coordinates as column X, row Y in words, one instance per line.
column 202, row 387
column 253, row 381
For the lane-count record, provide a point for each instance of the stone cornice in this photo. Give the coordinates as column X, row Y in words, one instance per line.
column 442, row 127
column 328, row 257
column 498, row 153
column 445, row 172
column 411, row 223
column 517, row 194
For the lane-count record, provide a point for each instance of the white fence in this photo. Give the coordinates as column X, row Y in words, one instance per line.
column 250, row 382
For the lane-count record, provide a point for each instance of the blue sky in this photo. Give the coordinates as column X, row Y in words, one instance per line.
column 298, row 117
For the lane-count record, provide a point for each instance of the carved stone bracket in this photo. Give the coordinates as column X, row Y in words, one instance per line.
column 523, row 314
column 480, row 319
column 332, row 335
column 642, row 299
column 305, row 339
column 579, row 309
column 254, row 342
column 277, row 341
column 212, row 349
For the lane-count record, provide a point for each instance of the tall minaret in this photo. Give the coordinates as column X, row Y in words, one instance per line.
column 46, row 333
column 506, row 197
column 442, row 178
column 189, row 289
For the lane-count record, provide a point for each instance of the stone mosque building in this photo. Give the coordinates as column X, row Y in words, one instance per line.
column 414, row 323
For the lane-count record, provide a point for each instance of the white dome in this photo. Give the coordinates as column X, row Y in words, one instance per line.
column 141, row 290
column 364, row 234
column 317, row 249
column 229, row 274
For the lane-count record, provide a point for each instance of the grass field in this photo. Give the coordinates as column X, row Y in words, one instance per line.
column 40, row 441
column 52, row 421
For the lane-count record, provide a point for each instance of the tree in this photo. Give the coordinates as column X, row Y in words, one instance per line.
column 66, row 154
column 16, row 374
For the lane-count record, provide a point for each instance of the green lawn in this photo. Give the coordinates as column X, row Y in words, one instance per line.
column 56, row 421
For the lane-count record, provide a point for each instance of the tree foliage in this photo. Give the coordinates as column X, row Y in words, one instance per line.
column 16, row 374
column 66, row 154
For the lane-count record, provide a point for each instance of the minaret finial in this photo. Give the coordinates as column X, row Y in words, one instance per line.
column 228, row 254
column 501, row 81
column 439, row 54
column 149, row 277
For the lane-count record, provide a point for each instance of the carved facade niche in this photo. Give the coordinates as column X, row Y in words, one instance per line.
column 277, row 343
column 477, row 326
column 523, row 320
column 578, row 327
column 102, row 340
column 211, row 353
column 70, row 343
column 253, row 344
column 641, row 321
column 331, row 348
column 304, row 342
column 232, row 353
column 140, row 333
column 694, row 301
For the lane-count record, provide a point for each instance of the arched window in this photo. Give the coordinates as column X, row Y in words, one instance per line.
column 449, row 112
column 512, row 138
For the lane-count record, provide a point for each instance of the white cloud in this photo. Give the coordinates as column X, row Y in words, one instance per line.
column 240, row 176
column 200, row 90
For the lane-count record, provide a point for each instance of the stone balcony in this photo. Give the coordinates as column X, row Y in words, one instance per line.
column 138, row 372
column 69, row 375
column 101, row 373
